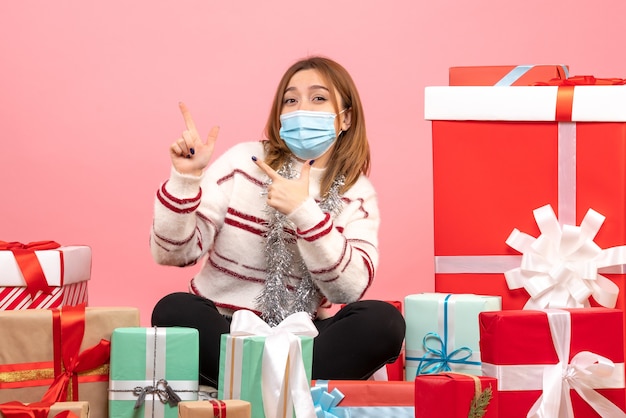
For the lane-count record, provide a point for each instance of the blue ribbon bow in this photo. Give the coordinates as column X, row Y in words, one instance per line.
column 439, row 360
column 325, row 403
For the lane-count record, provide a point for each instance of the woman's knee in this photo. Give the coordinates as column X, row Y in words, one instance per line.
column 382, row 318
column 179, row 309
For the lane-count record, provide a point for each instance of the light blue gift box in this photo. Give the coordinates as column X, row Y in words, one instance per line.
column 442, row 332
column 151, row 370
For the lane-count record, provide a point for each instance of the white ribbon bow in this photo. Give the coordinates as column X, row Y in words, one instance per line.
column 284, row 383
column 586, row 370
column 559, row 269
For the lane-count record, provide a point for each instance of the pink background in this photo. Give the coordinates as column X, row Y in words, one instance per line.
column 89, row 93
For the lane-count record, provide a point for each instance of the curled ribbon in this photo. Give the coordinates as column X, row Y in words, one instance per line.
column 559, row 269
column 29, row 263
column 584, row 370
column 325, row 403
column 162, row 390
column 282, row 365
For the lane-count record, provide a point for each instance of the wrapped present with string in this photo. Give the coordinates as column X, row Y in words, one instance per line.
column 43, row 274
column 555, row 362
column 505, row 75
column 18, row 409
column 442, row 332
column 270, row 367
column 59, row 355
column 152, row 370
column 456, row 395
column 501, row 152
column 363, row 399
column 215, row 408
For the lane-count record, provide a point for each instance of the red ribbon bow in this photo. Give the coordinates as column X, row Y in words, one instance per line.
column 68, row 330
column 17, row 409
column 565, row 94
column 29, row 263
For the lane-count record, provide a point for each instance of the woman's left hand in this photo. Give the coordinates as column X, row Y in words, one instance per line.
column 286, row 195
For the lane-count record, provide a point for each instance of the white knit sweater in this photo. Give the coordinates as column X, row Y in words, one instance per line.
column 222, row 214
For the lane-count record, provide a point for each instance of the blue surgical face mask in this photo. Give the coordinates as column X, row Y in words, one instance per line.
column 308, row 134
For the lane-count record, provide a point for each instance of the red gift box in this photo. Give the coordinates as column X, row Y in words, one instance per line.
column 507, row 75
column 366, row 398
column 535, row 353
column 43, row 274
column 501, row 152
column 464, row 389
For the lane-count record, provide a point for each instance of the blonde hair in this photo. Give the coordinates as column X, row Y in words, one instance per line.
column 351, row 154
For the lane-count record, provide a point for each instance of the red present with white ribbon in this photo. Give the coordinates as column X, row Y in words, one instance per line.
column 44, row 274
column 501, row 152
column 555, row 363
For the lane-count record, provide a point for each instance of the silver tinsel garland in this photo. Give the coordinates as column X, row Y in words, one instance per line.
column 279, row 298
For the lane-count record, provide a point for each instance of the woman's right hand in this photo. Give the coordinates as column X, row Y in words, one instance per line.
column 188, row 153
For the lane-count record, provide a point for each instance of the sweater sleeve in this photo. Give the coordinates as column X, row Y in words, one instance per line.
column 342, row 253
column 175, row 238
column 189, row 211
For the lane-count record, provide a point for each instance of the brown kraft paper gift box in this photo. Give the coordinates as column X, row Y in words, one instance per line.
column 28, row 357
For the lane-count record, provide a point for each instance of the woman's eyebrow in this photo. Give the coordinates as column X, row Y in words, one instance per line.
column 313, row 87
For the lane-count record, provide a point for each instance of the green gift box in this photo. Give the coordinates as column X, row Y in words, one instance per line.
column 151, row 370
column 442, row 332
column 242, row 376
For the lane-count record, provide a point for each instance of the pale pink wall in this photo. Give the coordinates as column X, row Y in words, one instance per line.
column 89, row 92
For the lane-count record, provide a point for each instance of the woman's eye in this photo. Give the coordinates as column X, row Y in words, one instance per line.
column 319, row 99
column 288, row 100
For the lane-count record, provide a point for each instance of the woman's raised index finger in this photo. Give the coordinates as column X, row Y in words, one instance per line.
column 271, row 173
column 187, row 116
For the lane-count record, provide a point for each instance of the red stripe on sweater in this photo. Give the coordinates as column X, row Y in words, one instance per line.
column 174, row 208
column 180, row 201
column 245, row 216
column 320, row 235
column 243, row 226
column 318, row 226
column 231, row 175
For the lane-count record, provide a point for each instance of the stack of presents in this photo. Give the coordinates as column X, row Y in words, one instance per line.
column 527, row 316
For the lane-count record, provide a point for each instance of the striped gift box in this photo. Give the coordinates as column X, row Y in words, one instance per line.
column 66, row 269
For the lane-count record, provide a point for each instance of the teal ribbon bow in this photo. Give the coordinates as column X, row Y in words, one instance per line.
column 325, row 403
column 439, row 360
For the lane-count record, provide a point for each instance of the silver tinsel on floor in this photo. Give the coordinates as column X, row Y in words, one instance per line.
column 279, row 298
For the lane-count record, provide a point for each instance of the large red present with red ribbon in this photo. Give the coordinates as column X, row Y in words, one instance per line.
column 56, row 355
column 43, row 274
column 555, row 362
column 505, row 75
column 455, row 395
column 501, row 152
